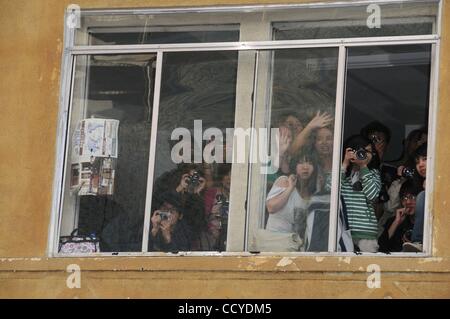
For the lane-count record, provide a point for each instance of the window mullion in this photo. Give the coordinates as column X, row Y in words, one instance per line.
column 432, row 125
column 338, row 120
column 152, row 153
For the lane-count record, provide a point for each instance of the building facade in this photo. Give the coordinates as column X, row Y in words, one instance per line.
column 154, row 66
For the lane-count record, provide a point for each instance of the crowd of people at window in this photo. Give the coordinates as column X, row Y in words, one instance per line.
column 382, row 203
column 190, row 208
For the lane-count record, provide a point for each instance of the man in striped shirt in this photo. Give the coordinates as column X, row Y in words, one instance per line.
column 360, row 187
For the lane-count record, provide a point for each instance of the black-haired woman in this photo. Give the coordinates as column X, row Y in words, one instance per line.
column 360, row 187
column 289, row 198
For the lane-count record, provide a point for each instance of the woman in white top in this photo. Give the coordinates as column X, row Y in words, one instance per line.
column 289, row 198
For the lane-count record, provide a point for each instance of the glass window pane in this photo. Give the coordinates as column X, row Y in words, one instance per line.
column 198, row 96
column 175, row 27
column 360, row 21
column 186, row 34
column 255, row 23
column 109, row 139
column 386, row 111
column 290, row 206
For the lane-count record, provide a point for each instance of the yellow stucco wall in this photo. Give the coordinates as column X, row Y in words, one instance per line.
column 30, row 51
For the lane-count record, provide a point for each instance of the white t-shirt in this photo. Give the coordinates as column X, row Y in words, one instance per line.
column 284, row 219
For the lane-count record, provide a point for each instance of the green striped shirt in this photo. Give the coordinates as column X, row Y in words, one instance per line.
column 359, row 204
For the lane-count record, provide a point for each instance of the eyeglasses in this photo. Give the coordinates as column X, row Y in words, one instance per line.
column 376, row 139
column 411, row 197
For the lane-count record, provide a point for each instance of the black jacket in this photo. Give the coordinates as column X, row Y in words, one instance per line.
column 395, row 243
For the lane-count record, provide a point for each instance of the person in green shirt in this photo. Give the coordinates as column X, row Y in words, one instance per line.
column 360, row 187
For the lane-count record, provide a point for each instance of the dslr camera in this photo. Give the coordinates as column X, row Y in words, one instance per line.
column 192, row 181
column 408, row 172
column 361, row 153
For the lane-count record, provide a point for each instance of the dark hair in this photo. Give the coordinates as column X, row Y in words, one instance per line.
column 409, row 187
column 306, row 155
column 411, row 163
column 358, row 141
column 376, row 126
column 174, row 199
column 415, row 135
column 284, row 115
column 223, row 169
column 420, row 151
column 313, row 135
column 184, row 168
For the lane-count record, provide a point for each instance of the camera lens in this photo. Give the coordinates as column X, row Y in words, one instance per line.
column 408, row 172
column 361, row 154
column 375, row 139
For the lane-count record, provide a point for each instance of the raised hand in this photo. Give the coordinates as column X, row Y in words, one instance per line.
column 349, row 157
column 285, row 140
column 292, row 181
column 320, row 120
column 183, row 185
column 400, row 215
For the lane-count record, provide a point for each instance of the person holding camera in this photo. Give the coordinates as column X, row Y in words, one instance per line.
column 406, row 171
column 380, row 135
column 420, row 158
column 169, row 231
column 360, row 187
column 398, row 229
column 216, row 210
column 188, row 182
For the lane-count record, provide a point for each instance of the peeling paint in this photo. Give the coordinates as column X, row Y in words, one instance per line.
column 346, row 260
column 252, row 264
column 399, row 287
column 430, row 260
column 319, row 259
column 285, row 261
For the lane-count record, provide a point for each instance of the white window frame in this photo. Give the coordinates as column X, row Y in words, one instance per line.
column 237, row 199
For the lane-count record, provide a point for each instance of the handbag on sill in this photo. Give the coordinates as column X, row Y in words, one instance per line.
column 76, row 244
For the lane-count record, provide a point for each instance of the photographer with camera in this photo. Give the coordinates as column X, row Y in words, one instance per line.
column 188, row 182
column 380, row 135
column 360, row 187
column 216, row 210
column 398, row 229
column 406, row 171
column 169, row 231
column 420, row 159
